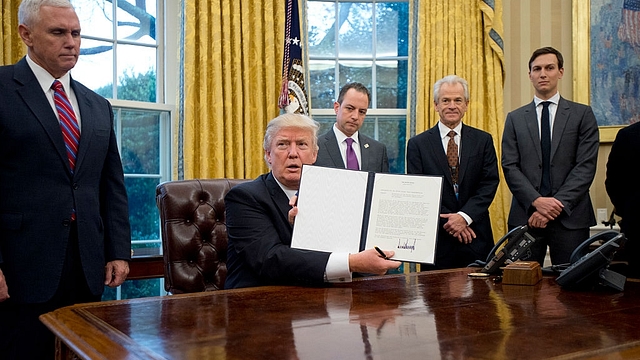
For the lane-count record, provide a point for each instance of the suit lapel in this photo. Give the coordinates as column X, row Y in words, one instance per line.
column 278, row 196
column 331, row 144
column 36, row 100
column 87, row 126
column 364, row 152
column 559, row 123
column 467, row 146
column 440, row 157
column 531, row 121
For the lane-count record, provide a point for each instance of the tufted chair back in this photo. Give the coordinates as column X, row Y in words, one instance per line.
column 194, row 233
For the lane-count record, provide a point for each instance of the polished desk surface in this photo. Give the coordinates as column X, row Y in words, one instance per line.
column 428, row 315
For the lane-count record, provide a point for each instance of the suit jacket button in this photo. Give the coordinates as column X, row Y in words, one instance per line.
column 75, row 186
column 66, row 222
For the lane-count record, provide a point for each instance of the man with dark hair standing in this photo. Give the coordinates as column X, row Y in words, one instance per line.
column 549, row 155
column 64, row 224
column 344, row 146
column 466, row 159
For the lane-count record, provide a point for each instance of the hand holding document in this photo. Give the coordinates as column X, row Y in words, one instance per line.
column 348, row 211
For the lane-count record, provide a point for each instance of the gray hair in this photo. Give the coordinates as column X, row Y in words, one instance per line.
column 288, row 120
column 29, row 10
column 451, row 80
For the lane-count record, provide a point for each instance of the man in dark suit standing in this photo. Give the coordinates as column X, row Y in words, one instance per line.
column 260, row 215
column 549, row 155
column 624, row 193
column 64, row 226
column 470, row 176
column 344, row 138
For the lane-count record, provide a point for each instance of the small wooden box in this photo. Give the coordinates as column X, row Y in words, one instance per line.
column 522, row 273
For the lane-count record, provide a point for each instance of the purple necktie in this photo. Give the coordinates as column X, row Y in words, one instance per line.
column 352, row 160
column 68, row 122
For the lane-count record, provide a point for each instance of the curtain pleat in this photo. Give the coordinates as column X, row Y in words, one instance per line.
column 12, row 48
column 462, row 38
column 232, row 54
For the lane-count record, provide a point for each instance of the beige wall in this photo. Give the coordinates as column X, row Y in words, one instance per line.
column 531, row 24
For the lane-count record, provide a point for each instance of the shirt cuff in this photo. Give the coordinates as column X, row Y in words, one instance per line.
column 337, row 269
column 465, row 217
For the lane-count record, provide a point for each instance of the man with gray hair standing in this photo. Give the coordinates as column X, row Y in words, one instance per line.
column 466, row 159
column 64, row 223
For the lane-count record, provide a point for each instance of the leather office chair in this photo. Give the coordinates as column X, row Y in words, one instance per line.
column 194, row 233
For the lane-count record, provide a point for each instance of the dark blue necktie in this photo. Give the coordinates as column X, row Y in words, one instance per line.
column 545, row 144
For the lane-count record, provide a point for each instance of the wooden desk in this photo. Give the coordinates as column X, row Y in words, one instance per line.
column 429, row 315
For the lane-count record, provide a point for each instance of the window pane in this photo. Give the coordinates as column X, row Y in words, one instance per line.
column 391, row 84
column 95, row 67
column 136, row 73
column 96, row 18
column 322, row 83
column 392, row 29
column 133, row 289
column 137, row 21
column 355, row 37
column 322, row 31
column 359, row 71
column 140, row 141
column 392, row 132
column 143, row 214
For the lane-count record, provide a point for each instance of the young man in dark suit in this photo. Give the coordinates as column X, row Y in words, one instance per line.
column 549, row 165
column 64, row 225
column 260, row 215
column 470, row 179
column 351, row 109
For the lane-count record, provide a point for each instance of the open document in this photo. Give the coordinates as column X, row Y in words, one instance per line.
column 343, row 210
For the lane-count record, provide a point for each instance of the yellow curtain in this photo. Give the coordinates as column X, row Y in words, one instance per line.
column 12, row 48
column 462, row 38
column 232, row 53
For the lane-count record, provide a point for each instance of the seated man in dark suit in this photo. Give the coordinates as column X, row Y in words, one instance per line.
column 260, row 215
column 344, row 146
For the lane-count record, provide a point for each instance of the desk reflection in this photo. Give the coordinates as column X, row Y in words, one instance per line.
column 435, row 315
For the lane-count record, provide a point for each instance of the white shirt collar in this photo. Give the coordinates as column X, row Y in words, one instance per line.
column 341, row 137
column 289, row 192
column 444, row 130
column 554, row 99
column 45, row 79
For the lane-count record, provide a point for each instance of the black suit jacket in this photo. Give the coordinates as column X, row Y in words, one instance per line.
column 574, row 154
column 38, row 190
column 620, row 183
column 477, row 182
column 259, row 251
column 374, row 153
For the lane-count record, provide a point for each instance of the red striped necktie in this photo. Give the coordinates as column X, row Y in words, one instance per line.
column 68, row 122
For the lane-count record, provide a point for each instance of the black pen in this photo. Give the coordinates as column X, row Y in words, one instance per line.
column 381, row 253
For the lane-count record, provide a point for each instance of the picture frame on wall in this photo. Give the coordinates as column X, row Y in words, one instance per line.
column 606, row 53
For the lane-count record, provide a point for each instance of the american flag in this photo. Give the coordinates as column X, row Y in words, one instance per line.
column 293, row 95
column 629, row 30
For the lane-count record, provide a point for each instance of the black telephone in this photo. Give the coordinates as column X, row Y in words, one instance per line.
column 516, row 243
column 589, row 269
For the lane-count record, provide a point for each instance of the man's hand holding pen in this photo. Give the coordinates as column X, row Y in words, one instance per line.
column 371, row 261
